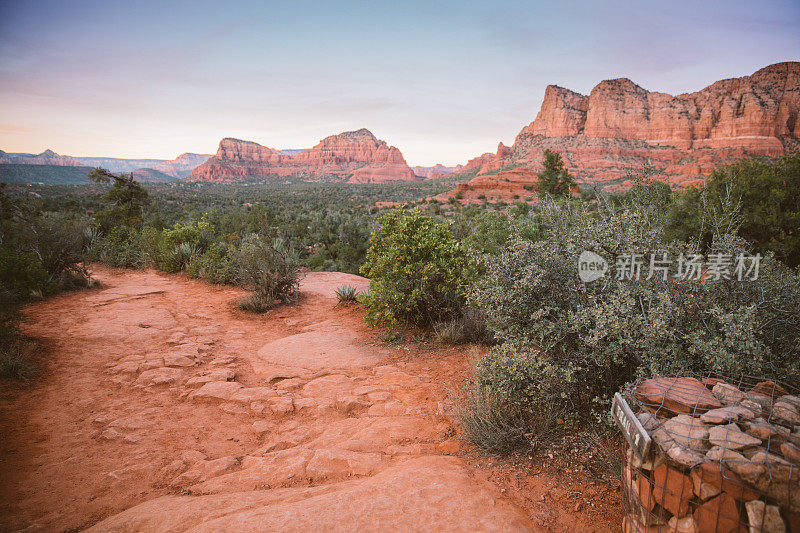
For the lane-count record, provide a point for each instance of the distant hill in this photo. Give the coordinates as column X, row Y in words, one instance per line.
column 48, row 174
column 67, row 175
column 156, row 169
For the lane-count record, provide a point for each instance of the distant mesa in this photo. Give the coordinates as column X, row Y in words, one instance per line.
column 621, row 126
column 353, row 156
column 436, row 171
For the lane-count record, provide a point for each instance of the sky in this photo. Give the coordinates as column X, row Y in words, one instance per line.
column 442, row 81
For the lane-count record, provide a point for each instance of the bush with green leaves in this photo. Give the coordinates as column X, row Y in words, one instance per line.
column 120, row 247
column 270, row 269
column 216, row 264
column 417, row 270
column 177, row 247
column 40, row 253
column 769, row 194
column 571, row 345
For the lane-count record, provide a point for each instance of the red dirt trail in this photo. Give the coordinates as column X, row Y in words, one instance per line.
column 163, row 408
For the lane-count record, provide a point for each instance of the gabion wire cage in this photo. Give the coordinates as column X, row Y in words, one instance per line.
column 725, row 456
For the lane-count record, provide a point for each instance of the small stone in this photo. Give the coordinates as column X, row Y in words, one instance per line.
column 731, row 437
column 192, row 456
column 728, row 394
column 686, row 457
column 785, row 413
column 672, row 490
column 218, row 390
column 768, row 388
column 261, row 426
column 688, row 432
column 682, row 525
column 159, row 376
column 764, row 430
column 177, row 361
column 645, row 491
column 791, row 452
column 703, row 489
column 761, row 399
column 779, row 470
column 110, row 434
column 281, row 406
column 217, row 374
column 763, row 518
column 259, row 408
column 791, row 400
column 732, row 413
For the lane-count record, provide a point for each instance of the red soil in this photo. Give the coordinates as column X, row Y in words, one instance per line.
column 163, row 408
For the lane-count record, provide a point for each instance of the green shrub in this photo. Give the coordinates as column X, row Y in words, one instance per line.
column 178, row 246
column 120, row 247
column 769, row 192
column 573, row 345
column 21, row 274
column 215, row 264
column 416, row 268
column 270, row 269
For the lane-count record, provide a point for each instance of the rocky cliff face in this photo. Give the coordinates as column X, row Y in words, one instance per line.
column 356, row 156
column 621, row 126
column 437, row 170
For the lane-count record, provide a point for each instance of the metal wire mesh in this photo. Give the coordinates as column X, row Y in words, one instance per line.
column 726, row 456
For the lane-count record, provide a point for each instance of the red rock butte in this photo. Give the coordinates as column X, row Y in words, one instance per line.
column 621, row 126
column 355, row 156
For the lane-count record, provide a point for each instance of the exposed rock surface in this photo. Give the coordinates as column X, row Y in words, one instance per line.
column 620, row 126
column 298, row 419
column 356, row 156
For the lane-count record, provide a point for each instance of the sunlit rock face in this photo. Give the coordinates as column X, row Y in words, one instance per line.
column 355, row 156
column 620, row 126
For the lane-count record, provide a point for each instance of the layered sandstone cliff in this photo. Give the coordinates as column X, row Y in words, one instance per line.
column 356, row 156
column 620, row 126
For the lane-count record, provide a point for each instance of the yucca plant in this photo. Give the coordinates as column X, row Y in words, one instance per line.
column 346, row 294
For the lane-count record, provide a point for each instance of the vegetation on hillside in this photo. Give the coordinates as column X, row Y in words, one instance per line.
column 504, row 275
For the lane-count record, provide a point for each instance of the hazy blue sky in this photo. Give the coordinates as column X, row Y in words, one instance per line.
column 443, row 81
